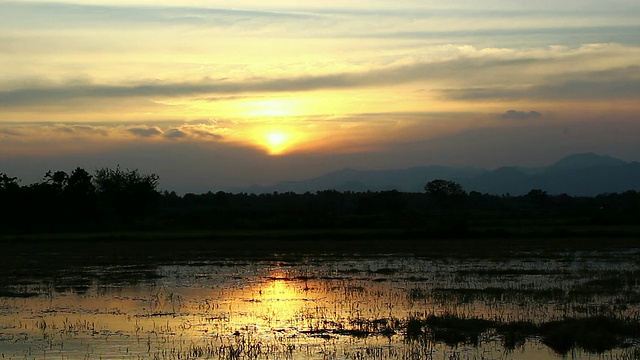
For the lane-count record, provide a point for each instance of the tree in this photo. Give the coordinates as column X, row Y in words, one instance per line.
column 52, row 208
column 8, row 183
column 58, row 180
column 80, row 183
column 129, row 194
column 446, row 193
column 444, row 188
column 12, row 207
column 80, row 194
column 538, row 198
column 125, row 181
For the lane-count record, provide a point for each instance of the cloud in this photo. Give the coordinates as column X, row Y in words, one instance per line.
column 205, row 133
column 10, row 132
column 183, row 131
column 602, row 31
column 206, row 122
column 383, row 77
column 106, row 132
column 520, row 115
column 80, row 15
column 622, row 89
column 556, row 72
column 145, row 131
column 87, row 129
column 190, row 131
column 617, row 83
column 203, row 129
column 175, row 134
column 587, row 89
column 228, row 98
column 40, row 130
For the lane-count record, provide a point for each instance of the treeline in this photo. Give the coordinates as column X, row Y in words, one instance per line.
column 79, row 201
column 126, row 200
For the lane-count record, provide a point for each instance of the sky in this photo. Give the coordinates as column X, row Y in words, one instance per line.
column 217, row 94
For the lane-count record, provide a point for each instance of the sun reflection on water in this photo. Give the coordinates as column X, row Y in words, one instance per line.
column 268, row 310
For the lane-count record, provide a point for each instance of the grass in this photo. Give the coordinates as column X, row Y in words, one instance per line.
column 453, row 330
column 458, row 272
column 596, row 334
column 497, row 295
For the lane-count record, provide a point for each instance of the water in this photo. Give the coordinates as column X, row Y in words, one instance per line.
column 312, row 306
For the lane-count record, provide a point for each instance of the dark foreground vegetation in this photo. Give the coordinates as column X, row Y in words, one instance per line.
column 595, row 334
column 117, row 200
column 573, row 285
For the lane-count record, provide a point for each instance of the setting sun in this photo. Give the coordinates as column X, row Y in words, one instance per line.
column 222, row 95
column 277, row 142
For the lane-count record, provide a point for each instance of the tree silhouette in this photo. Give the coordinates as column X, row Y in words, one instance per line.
column 538, row 198
column 125, row 181
column 10, row 200
column 80, row 183
column 58, row 180
column 8, row 183
column 127, row 194
column 80, row 194
column 446, row 193
column 117, row 199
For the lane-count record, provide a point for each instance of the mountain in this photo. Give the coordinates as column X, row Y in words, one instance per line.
column 585, row 161
column 505, row 180
column 411, row 179
column 585, row 174
column 581, row 174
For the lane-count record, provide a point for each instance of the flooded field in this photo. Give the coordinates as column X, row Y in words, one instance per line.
column 524, row 303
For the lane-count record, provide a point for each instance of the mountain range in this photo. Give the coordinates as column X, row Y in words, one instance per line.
column 586, row 174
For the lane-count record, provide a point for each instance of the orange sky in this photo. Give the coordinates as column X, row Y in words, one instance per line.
column 263, row 91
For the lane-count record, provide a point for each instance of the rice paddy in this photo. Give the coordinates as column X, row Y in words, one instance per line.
column 521, row 303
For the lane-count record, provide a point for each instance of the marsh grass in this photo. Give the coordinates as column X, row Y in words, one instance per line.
column 593, row 334
column 453, row 330
column 460, row 297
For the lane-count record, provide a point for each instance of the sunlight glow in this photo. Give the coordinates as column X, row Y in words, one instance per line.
column 281, row 297
column 271, row 107
column 277, row 142
column 276, row 139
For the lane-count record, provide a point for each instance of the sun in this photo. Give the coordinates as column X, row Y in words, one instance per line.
column 277, row 142
column 276, row 139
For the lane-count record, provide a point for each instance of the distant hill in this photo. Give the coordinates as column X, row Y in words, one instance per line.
column 585, row 161
column 411, row 179
column 585, row 174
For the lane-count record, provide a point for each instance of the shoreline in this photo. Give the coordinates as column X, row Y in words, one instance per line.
column 311, row 241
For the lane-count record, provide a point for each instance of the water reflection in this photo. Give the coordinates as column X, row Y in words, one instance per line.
column 282, row 299
column 322, row 307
